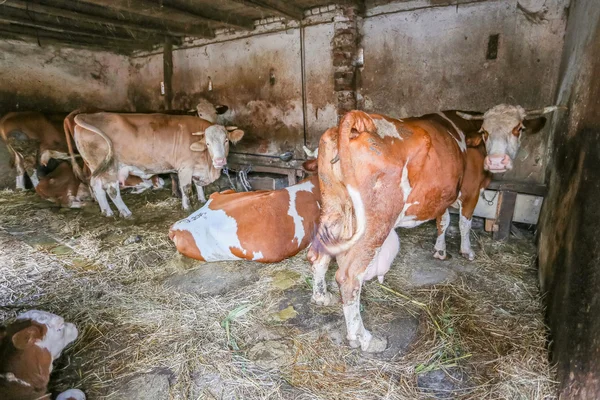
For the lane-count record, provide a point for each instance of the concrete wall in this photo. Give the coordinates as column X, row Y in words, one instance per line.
column 568, row 242
column 55, row 79
column 426, row 56
column 240, row 69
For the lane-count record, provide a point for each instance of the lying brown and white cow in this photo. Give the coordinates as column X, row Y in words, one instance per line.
column 28, row 347
column 381, row 173
column 116, row 145
column 234, row 226
column 38, row 136
column 58, row 184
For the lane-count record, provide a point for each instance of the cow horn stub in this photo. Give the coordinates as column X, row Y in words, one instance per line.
column 231, row 128
column 469, row 117
column 198, row 133
column 310, row 153
column 545, row 110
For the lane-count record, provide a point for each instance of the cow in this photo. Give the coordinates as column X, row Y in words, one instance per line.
column 58, row 184
column 28, row 347
column 232, row 226
column 378, row 173
column 29, row 135
column 116, row 145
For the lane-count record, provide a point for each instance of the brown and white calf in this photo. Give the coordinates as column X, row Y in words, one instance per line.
column 38, row 136
column 386, row 173
column 58, row 184
column 117, row 145
column 28, row 347
column 264, row 226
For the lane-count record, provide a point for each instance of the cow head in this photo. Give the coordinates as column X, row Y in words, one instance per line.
column 216, row 140
column 208, row 111
column 502, row 130
column 61, row 186
column 46, row 330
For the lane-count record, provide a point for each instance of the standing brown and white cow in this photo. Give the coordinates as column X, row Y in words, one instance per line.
column 29, row 135
column 116, row 145
column 381, row 173
column 232, row 226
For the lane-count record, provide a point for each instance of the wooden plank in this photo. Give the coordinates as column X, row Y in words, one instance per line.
column 284, row 8
column 195, row 25
column 519, row 187
column 168, row 72
column 489, row 225
column 259, row 160
column 82, row 17
column 504, row 214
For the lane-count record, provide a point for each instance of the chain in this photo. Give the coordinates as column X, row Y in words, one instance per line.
column 241, row 177
column 226, row 172
column 491, row 201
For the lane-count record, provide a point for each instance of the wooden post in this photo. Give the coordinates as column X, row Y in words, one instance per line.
column 504, row 214
column 168, row 72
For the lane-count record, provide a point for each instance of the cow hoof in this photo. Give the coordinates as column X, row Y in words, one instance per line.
column 440, row 254
column 125, row 214
column 376, row 345
column 325, row 300
column 469, row 255
column 108, row 214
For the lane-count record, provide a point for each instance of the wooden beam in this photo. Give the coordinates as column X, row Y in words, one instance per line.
column 168, row 72
column 17, row 32
column 504, row 215
column 194, row 24
column 59, row 28
column 281, row 7
column 535, row 189
column 92, row 19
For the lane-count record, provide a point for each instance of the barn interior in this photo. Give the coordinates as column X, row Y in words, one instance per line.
column 520, row 321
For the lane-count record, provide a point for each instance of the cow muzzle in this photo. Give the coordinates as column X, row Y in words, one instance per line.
column 497, row 163
column 220, row 162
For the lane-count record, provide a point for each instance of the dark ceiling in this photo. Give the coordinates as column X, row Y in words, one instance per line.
column 126, row 25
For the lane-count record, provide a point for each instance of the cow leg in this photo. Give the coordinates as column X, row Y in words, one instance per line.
column 175, row 186
column 34, row 179
column 185, row 186
column 354, row 265
column 442, row 222
column 19, row 165
column 115, row 195
column 200, row 192
column 467, row 208
column 100, row 195
column 320, row 264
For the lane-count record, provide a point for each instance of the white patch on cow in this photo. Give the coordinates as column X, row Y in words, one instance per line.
column 20, row 182
column 34, row 179
column 293, row 211
column 75, row 394
column 465, row 237
column 257, row 255
column 462, row 143
column 386, row 128
column 458, row 202
column 440, row 243
column 214, row 232
column 403, row 220
column 58, row 335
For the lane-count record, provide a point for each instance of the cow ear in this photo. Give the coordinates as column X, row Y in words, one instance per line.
column 200, row 145
column 27, row 336
column 221, row 109
column 474, row 140
column 534, row 125
column 310, row 165
column 235, row 136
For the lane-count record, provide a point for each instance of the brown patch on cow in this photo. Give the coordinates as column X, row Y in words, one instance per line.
column 28, row 362
column 185, row 243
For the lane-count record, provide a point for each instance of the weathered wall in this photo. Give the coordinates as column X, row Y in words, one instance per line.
column 260, row 79
column 60, row 79
column 569, row 243
column 425, row 56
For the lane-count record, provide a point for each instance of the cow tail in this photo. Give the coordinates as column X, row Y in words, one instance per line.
column 69, row 131
column 352, row 124
column 109, row 158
